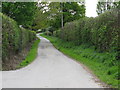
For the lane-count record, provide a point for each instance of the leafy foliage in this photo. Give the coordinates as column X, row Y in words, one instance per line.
column 70, row 11
column 14, row 39
column 58, row 13
column 102, row 31
column 105, row 6
column 22, row 12
column 73, row 11
column 40, row 21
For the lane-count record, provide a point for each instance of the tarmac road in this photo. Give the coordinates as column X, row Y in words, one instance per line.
column 50, row 69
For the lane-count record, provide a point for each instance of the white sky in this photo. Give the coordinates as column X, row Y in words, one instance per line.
column 91, row 6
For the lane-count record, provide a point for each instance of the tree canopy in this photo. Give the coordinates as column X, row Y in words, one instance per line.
column 58, row 13
column 68, row 11
column 104, row 6
column 22, row 12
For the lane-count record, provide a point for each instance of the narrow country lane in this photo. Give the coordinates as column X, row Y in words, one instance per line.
column 50, row 69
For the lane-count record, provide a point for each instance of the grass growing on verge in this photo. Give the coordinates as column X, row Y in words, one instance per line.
column 100, row 63
column 31, row 55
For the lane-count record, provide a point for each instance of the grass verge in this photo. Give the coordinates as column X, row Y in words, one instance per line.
column 31, row 55
column 103, row 65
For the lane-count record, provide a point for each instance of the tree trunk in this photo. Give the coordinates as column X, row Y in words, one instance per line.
column 62, row 21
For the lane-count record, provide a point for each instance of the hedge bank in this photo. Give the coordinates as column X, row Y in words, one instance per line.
column 101, row 31
column 14, row 39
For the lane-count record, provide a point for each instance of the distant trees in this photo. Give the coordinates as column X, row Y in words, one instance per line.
column 22, row 12
column 73, row 11
column 41, row 20
column 68, row 11
column 56, row 14
column 108, row 5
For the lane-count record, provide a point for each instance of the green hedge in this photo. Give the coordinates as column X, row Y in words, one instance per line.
column 101, row 31
column 14, row 39
column 56, row 33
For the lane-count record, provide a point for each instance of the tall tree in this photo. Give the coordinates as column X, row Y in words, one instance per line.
column 41, row 20
column 58, row 13
column 73, row 11
column 67, row 11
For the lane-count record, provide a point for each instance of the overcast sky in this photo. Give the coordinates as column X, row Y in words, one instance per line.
column 91, row 6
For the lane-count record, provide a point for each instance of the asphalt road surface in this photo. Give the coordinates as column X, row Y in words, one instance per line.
column 50, row 69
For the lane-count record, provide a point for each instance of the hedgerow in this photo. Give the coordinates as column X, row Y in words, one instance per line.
column 101, row 31
column 14, row 39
